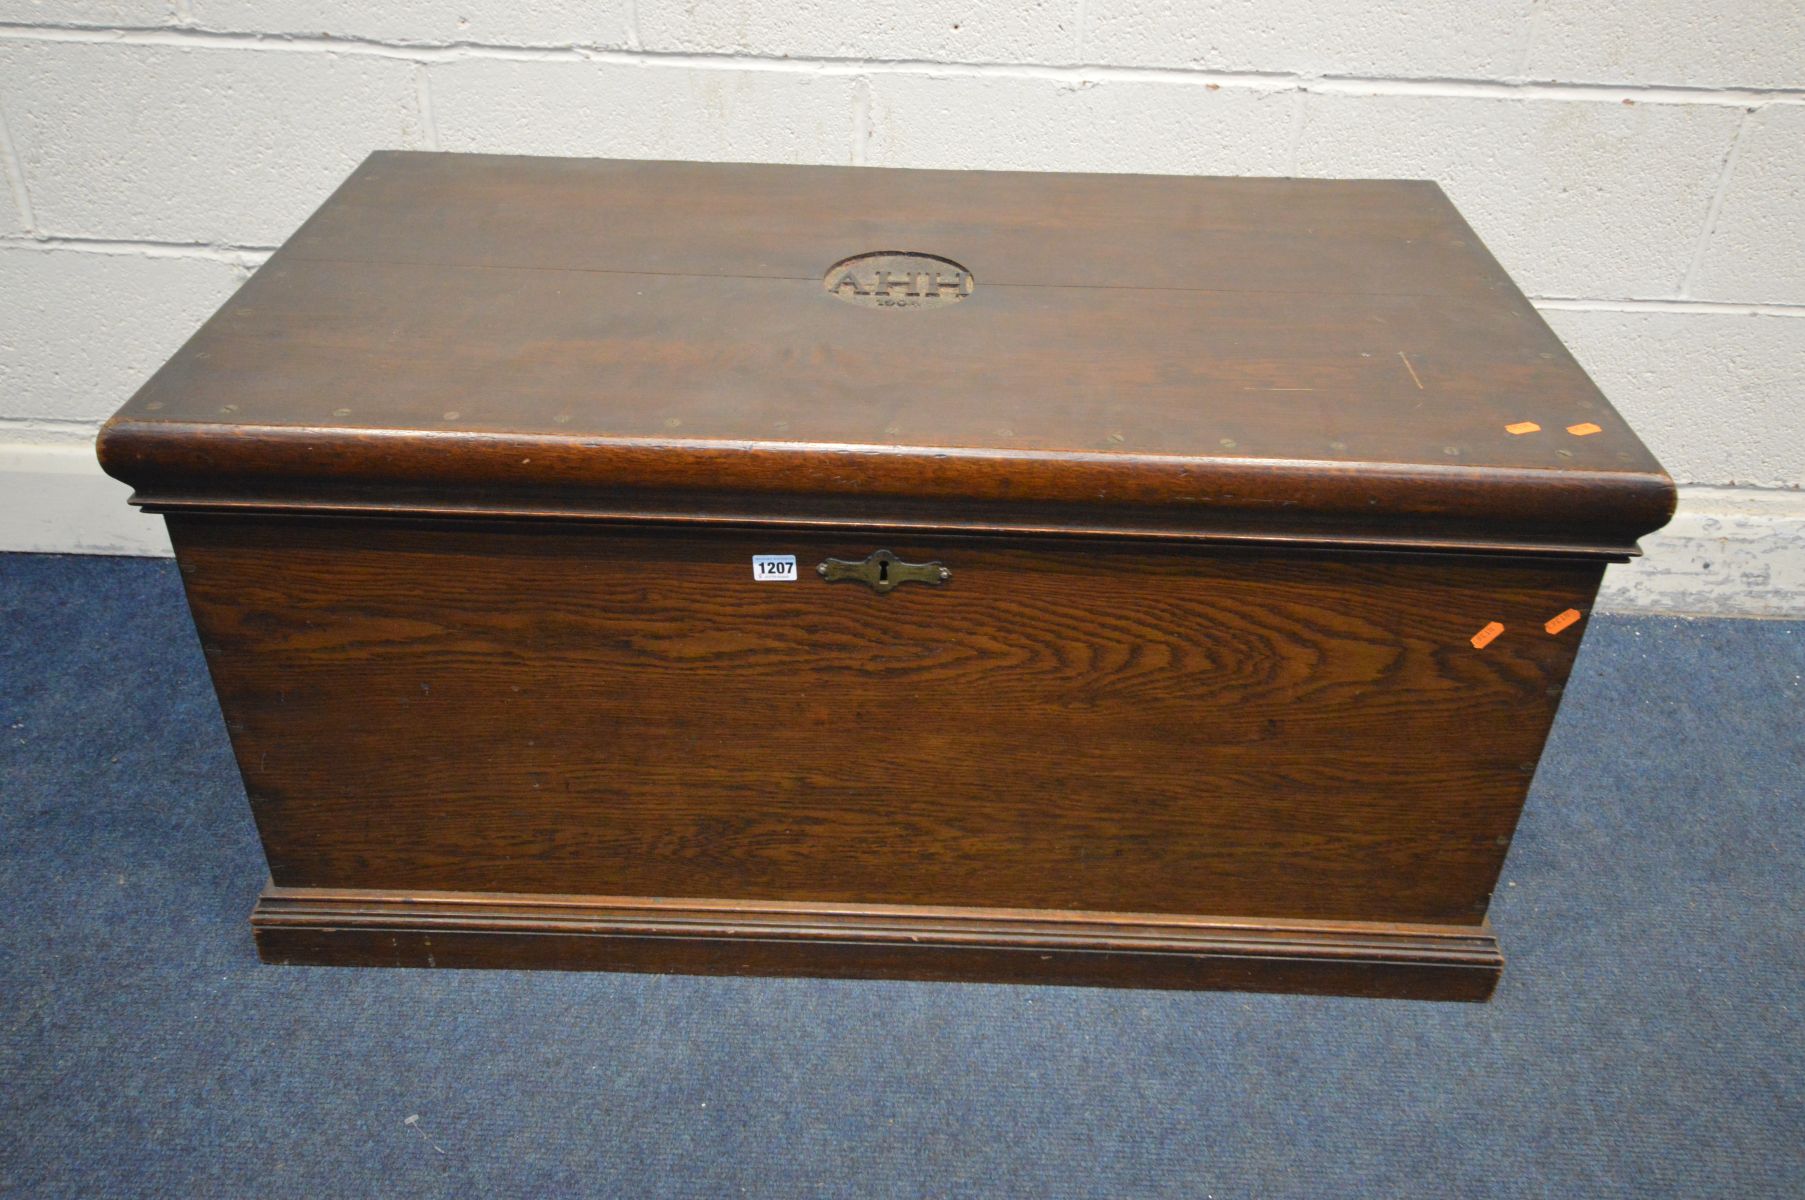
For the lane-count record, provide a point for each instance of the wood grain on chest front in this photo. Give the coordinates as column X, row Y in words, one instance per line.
column 1062, row 726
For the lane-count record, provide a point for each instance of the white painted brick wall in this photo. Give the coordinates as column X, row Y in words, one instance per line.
column 1438, row 38
column 1703, row 389
column 182, row 143
column 12, row 215
column 79, row 330
column 1020, row 31
column 1639, row 165
column 629, row 110
column 1046, row 124
column 1709, row 43
column 427, row 22
column 1757, row 249
column 115, row 14
column 1575, row 198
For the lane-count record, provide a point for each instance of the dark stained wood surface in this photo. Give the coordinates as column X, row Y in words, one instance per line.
column 1090, row 727
column 1310, row 359
column 465, row 484
column 375, row 929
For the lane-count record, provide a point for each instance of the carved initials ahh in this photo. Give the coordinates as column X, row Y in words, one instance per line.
column 896, row 280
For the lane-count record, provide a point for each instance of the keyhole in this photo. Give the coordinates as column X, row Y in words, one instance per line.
column 883, row 572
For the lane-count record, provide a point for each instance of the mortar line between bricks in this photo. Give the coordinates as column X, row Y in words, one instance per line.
column 429, row 125
column 1716, row 308
column 634, row 42
column 1725, row 175
column 1531, row 27
column 861, row 120
column 441, row 52
column 212, row 251
column 15, row 174
column 51, row 424
column 1294, row 134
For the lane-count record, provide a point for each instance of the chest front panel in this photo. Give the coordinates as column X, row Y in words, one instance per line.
column 1058, row 725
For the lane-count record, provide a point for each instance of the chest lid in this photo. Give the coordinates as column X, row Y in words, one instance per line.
column 1265, row 360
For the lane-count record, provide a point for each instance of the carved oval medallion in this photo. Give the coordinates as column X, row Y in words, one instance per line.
column 898, row 279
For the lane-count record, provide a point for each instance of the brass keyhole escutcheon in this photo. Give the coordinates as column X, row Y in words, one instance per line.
column 883, row 572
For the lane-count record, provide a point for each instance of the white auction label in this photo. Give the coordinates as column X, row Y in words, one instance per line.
column 774, row 568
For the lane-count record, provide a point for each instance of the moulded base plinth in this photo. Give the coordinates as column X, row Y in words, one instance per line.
column 722, row 937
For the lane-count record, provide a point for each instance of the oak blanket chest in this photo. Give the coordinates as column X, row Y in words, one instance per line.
column 905, row 574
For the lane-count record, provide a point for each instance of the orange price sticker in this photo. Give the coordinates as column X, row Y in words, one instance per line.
column 1562, row 621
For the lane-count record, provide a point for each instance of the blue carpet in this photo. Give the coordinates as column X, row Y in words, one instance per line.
column 1646, row 1040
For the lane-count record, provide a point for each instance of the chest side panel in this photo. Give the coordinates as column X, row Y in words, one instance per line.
column 1062, row 726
